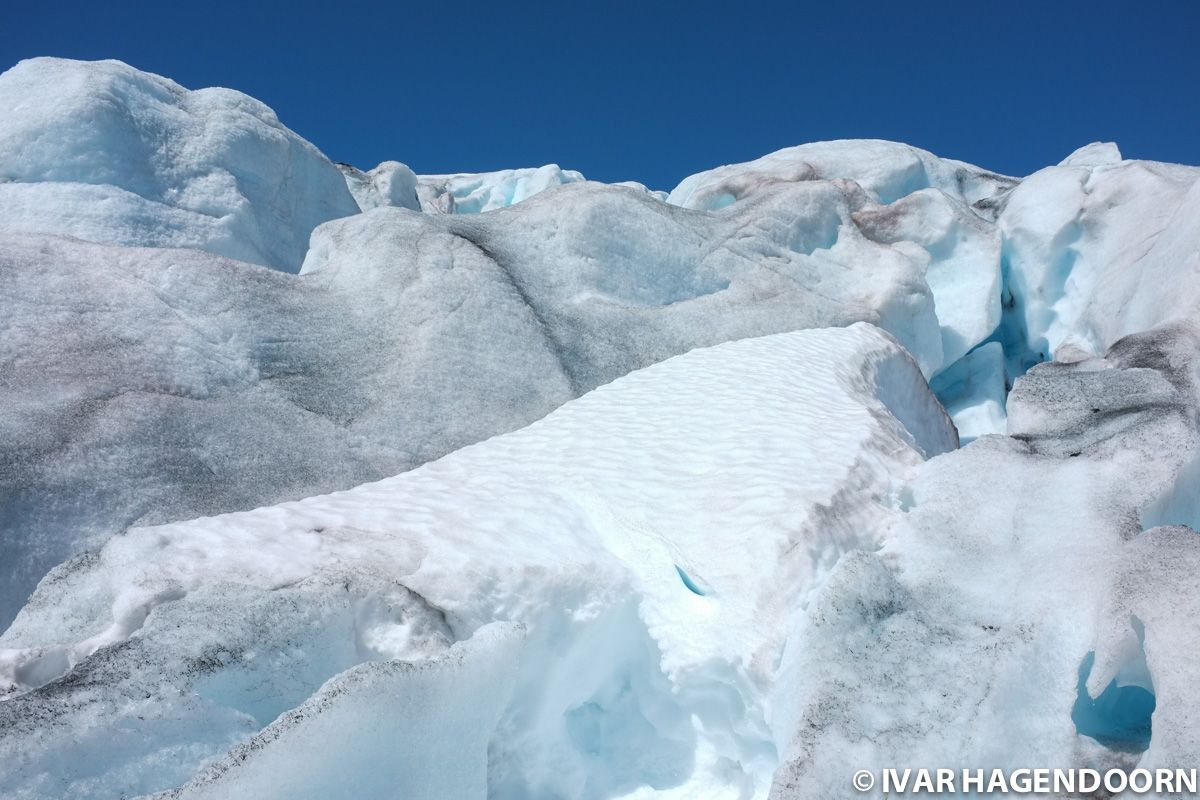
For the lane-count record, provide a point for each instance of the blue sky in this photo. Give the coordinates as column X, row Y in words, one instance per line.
column 655, row 91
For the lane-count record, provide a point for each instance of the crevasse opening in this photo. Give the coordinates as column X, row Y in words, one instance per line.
column 974, row 389
column 1120, row 717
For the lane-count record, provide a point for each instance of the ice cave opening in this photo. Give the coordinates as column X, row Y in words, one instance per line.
column 1120, row 717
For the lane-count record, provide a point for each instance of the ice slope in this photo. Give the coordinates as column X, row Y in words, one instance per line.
column 103, row 152
column 594, row 606
column 142, row 386
column 726, row 575
column 150, row 385
column 1025, row 611
column 620, row 280
column 473, row 193
column 940, row 212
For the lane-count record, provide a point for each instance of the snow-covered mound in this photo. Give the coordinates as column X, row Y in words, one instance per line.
column 938, row 212
column 595, row 606
column 103, row 152
column 619, row 280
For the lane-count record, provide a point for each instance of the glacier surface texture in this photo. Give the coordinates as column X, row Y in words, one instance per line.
column 328, row 482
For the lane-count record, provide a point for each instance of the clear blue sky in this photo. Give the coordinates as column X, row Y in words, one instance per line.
column 655, row 91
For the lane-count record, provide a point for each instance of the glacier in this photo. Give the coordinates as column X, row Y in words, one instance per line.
column 624, row 608
column 318, row 481
column 118, row 156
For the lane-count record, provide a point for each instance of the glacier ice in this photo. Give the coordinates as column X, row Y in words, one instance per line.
column 188, row 368
column 611, row 493
column 1096, row 252
column 1015, row 566
column 472, row 193
column 1096, row 154
column 886, row 171
column 389, row 184
column 973, row 392
column 103, row 152
column 624, row 676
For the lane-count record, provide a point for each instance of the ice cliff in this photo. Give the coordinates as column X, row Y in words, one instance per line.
column 320, row 482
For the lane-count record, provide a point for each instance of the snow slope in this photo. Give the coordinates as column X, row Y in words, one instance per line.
column 886, row 171
column 595, row 605
column 103, row 152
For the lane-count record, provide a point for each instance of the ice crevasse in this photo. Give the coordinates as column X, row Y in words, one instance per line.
column 609, row 492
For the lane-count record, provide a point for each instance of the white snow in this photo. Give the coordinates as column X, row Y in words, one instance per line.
column 941, row 214
column 407, row 335
column 150, row 385
column 654, row 538
column 1096, row 154
column 1014, row 592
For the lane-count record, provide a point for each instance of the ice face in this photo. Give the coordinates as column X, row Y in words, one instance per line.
column 103, row 152
column 1096, row 154
column 143, row 386
column 1098, row 252
column 648, row 632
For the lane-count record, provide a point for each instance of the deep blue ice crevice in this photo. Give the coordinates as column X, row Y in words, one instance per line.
column 1120, row 716
column 974, row 390
column 691, row 585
